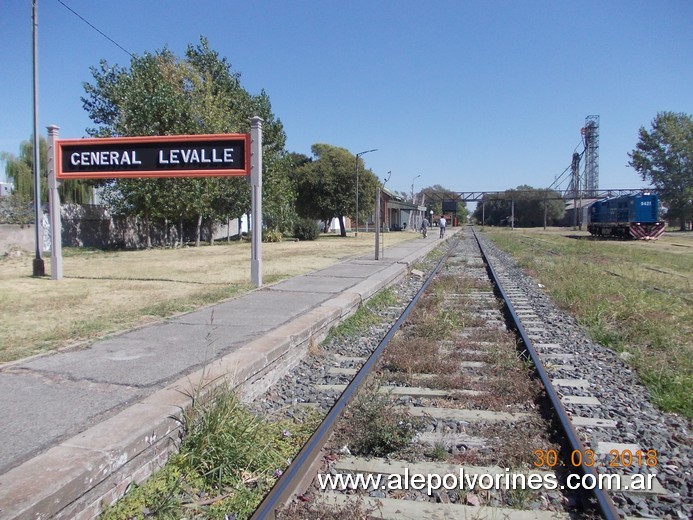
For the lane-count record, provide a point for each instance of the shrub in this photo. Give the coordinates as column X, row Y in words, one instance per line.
column 271, row 235
column 306, row 229
column 15, row 210
column 377, row 427
column 226, row 452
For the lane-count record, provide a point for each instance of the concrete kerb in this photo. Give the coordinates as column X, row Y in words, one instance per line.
column 78, row 477
column 47, row 484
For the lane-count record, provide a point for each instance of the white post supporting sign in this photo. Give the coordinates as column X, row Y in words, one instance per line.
column 256, row 201
column 54, row 207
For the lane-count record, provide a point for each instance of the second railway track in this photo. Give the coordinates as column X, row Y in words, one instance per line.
column 451, row 393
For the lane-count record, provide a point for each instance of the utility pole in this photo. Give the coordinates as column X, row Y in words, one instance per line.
column 39, row 265
column 377, row 223
column 356, row 234
column 575, row 185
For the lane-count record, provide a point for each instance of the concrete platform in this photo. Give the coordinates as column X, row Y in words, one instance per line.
column 79, row 426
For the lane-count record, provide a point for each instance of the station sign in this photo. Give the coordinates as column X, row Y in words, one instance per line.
column 161, row 156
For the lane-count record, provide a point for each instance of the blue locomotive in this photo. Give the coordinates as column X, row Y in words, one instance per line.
column 628, row 216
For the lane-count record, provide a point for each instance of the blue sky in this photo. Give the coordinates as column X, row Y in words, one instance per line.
column 472, row 95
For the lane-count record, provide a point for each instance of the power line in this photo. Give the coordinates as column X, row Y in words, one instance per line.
column 95, row 28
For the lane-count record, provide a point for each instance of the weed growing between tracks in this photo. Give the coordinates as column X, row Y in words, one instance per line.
column 375, row 426
column 631, row 296
column 447, row 333
column 442, row 342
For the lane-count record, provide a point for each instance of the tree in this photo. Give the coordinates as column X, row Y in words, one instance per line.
column 530, row 206
column 436, row 194
column 327, row 185
column 161, row 94
column 664, row 157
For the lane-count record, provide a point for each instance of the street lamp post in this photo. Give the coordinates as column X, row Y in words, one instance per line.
column 379, row 219
column 412, row 189
column 416, row 224
column 357, row 187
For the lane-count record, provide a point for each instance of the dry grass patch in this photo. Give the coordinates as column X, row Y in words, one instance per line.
column 510, row 444
column 455, row 381
column 104, row 292
column 457, row 284
column 413, row 356
column 355, row 510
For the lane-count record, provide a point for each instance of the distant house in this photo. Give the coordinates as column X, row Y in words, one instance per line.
column 6, row 188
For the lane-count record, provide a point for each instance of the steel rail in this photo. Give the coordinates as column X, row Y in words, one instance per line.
column 287, row 484
column 604, row 502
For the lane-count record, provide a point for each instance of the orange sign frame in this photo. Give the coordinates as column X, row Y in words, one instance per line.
column 204, row 155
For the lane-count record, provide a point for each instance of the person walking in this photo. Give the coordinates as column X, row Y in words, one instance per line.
column 441, row 225
column 424, row 226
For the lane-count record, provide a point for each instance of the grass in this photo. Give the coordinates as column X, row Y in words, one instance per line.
column 633, row 297
column 374, row 426
column 365, row 316
column 439, row 452
column 108, row 291
column 228, row 460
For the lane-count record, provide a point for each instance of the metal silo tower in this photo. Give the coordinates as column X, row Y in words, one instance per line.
column 590, row 135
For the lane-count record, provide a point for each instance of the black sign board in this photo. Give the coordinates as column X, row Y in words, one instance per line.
column 168, row 156
column 449, row 205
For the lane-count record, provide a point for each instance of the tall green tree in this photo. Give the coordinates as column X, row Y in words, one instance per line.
column 436, row 194
column 327, row 185
column 160, row 94
column 664, row 157
column 531, row 204
column 278, row 190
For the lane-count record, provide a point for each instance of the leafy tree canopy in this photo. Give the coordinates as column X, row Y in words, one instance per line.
column 160, row 94
column 436, row 194
column 664, row 157
column 327, row 185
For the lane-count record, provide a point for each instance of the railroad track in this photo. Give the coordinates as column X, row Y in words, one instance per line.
column 445, row 399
